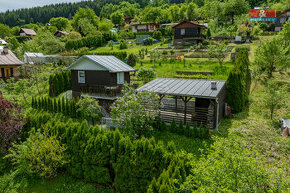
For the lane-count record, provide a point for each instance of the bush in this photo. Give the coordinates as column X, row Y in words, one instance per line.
column 239, row 83
column 91, row 41
column 123, row 45
column 131, row 60
column 59, row 82
column 157, row 35
column 231, row 167
column 242, row 48
column 11, row 123
column 40, row 154
column 146, row 75
column 57, row 105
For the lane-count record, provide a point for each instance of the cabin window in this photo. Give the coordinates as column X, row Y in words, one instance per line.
column 11, row 72
column 120, row 78
column 81, row 77
column 182, row 32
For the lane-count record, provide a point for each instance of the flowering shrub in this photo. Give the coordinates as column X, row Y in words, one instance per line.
column 136, row 111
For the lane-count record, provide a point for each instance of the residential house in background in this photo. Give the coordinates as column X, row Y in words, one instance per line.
column 188, row 32
column 60, row 33
column 9, row 64
column 143, row 27
column 3, row 42
column 101, row 77
column 27, row 32
column 282, row 18
column 128, row 20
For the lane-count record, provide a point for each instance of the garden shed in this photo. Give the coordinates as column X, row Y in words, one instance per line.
column 189, row 100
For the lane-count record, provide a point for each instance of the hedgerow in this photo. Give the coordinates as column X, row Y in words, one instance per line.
column 197, row 131
column 92, row 41
column 59, row 82
column 106, row 157
column 56, row 105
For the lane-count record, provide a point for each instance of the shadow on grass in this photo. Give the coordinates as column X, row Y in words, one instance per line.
column 62, row 184
column 192, row 145
column 227, row 123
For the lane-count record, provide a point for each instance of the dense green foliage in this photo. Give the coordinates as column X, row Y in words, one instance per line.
column 57, row 105
column 239, row 83
column 237, row 170
column 181, row 129
column 106, row 156
column 135, row 112
column 59, row 82
column 91, row 41
column 45, row 152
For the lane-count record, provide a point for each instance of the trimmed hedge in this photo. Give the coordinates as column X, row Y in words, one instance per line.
column 59, row 82
column 93, row 41
column 194, row 132
column 106, row 157
column 66, row 107
column 242, row 48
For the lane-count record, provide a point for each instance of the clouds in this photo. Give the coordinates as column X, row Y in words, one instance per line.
column 17, row 4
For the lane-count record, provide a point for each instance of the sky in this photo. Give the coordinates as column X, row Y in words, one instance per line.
column 17, row 4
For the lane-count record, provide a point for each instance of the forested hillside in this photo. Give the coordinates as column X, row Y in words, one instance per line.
column 43, row 14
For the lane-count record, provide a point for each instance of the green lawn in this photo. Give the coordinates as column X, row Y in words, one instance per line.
column 132, row 48
column 191, row 145
column 168, row 69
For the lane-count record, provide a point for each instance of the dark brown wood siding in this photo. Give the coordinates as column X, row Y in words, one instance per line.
column 127, row 77
column 97, row 78
column 94, row 78
column 189, row 33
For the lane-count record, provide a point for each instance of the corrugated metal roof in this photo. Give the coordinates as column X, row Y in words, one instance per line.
column 33, row 54
column 28, row 31
column 111, row 63
column 9, row 59
column 183, row 87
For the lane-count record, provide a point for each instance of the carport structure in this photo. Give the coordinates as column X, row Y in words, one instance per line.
column 189, row 100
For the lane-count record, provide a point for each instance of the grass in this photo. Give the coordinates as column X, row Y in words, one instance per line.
column 191, row 145
column 132, row 48
column 168, row 70
column 63, row 184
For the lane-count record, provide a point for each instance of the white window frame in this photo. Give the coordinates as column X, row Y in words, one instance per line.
column 120, row 78
column 182, row 31
column 81, row 78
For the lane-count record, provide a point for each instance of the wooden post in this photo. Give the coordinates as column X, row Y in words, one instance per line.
column 160, row 97
column 176, row 104
column 185, row 100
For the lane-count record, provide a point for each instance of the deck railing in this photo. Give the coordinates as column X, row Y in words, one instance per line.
column 104, row 91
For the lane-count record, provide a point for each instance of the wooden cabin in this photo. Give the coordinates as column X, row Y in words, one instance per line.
column 60, row 33
column 143, row 27
column 190, row 101
column 282, row 18
column 9, row 64
column 101, row 77
column 188, row 32
column 27, row 32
